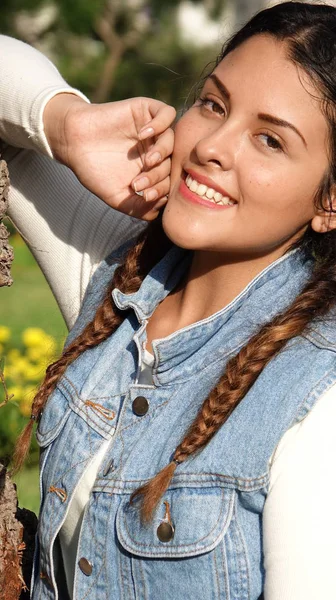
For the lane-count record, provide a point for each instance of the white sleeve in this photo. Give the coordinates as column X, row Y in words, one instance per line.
column 299, row 518
column 28, row 80
column 68, row 229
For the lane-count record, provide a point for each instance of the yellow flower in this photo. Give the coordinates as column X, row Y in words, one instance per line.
column 34, row 372
column 10, row 372
column 43, row 344
column 5, row 333
column 16, row 391
column 33, row 336
column 12, row 355
column 35, row 353
column 22, row 366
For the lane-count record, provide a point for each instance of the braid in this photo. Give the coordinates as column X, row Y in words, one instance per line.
column 128, row 278
column 241, row 372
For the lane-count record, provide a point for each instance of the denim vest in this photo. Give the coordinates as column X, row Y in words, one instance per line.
column 216, row 498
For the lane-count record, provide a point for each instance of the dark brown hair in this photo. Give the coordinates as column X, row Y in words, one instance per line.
column 310, row 35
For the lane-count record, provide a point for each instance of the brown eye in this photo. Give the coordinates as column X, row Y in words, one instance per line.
column 212, row 106
column 271, row 142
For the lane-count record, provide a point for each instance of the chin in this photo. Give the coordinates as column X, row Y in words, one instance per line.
column 179, row 234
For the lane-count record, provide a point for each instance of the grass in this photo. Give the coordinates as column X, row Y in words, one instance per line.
column 29, row 303
column 27, row 483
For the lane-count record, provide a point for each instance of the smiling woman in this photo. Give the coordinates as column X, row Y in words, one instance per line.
column 187, row 430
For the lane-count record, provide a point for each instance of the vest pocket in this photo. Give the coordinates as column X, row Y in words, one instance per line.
column 199, row 518
column 190, row 564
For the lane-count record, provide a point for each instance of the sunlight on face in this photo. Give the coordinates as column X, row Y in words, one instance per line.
column 249, row 156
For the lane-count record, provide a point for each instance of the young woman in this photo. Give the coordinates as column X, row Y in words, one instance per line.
column 187, row 431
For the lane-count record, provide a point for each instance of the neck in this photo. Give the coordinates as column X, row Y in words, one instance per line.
column 213, row 282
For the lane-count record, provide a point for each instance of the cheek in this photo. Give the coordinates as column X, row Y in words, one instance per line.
column 187, row 133
column 279, row 189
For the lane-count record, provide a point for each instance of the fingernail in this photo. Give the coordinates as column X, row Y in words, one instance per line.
column 151, row 195
column 145, row 133
column 140, row 184
column 154, row 158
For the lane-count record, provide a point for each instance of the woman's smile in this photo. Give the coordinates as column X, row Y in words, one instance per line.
column 200, row 190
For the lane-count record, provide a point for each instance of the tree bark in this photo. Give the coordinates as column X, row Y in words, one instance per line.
column 17, row 526
column 6, row 251
column 17, row 534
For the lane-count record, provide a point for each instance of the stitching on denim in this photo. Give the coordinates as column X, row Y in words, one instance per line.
column 222, row 358
column 226, row 510
column 60, row 492
column 120, row 558
column 100, row 408
column 241, row 484
column 148, row 417
column 214, row 551
column 309, row 335
column 80, row 407
column 312, row 392
column 140, row 570
column 222, row 547
column 245, row 585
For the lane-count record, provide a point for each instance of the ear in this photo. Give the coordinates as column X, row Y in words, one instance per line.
column 325, row 220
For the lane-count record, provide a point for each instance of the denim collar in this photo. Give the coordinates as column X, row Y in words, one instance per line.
column 200, row 345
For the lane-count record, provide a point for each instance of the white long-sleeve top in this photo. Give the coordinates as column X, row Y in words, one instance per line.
column 70, row 231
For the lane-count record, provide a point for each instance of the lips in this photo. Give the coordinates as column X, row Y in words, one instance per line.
column 209, row 183
column 202, row 190
column 207, row 193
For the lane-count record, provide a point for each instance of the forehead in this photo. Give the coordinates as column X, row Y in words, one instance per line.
column 260, row 77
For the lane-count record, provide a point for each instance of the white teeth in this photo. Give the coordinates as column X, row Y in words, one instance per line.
column 207, row 193
column 201, row 189
column 193, row 186
column 210, row 193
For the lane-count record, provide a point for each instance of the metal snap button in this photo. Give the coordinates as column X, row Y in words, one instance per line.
column 165, row 532
column 85, row 566
column 109, row 468
column 140, row 406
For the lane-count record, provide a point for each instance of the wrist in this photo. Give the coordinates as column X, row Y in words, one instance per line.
column 55, row 119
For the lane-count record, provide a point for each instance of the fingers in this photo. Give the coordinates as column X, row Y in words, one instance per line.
column 148, row 211
column 163, row 116
column 162, row 148
column 155, row 182
column 160, row 190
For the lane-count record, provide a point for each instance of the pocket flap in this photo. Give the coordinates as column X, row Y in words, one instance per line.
column 53, row 418
column 200, row 518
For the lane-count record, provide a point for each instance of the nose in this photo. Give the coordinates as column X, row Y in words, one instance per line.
column 218, row 147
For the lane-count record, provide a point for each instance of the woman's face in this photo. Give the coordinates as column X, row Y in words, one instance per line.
column 249, row 156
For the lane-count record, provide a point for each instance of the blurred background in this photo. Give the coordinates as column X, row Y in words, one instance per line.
column 109, row 49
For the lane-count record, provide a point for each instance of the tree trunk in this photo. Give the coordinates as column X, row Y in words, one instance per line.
column 6, row 252
column 17, row 526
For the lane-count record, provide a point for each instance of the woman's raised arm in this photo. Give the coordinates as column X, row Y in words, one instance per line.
column 67, row 227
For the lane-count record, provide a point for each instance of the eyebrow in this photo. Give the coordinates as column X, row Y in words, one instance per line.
column 224, row 91
column 281, row 123
column 262, row 116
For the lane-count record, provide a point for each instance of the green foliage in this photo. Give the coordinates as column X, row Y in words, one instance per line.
column 25, row 351
column 78, row 16
column 156, row 64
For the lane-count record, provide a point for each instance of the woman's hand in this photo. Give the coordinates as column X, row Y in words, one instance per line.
column 115, row 149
